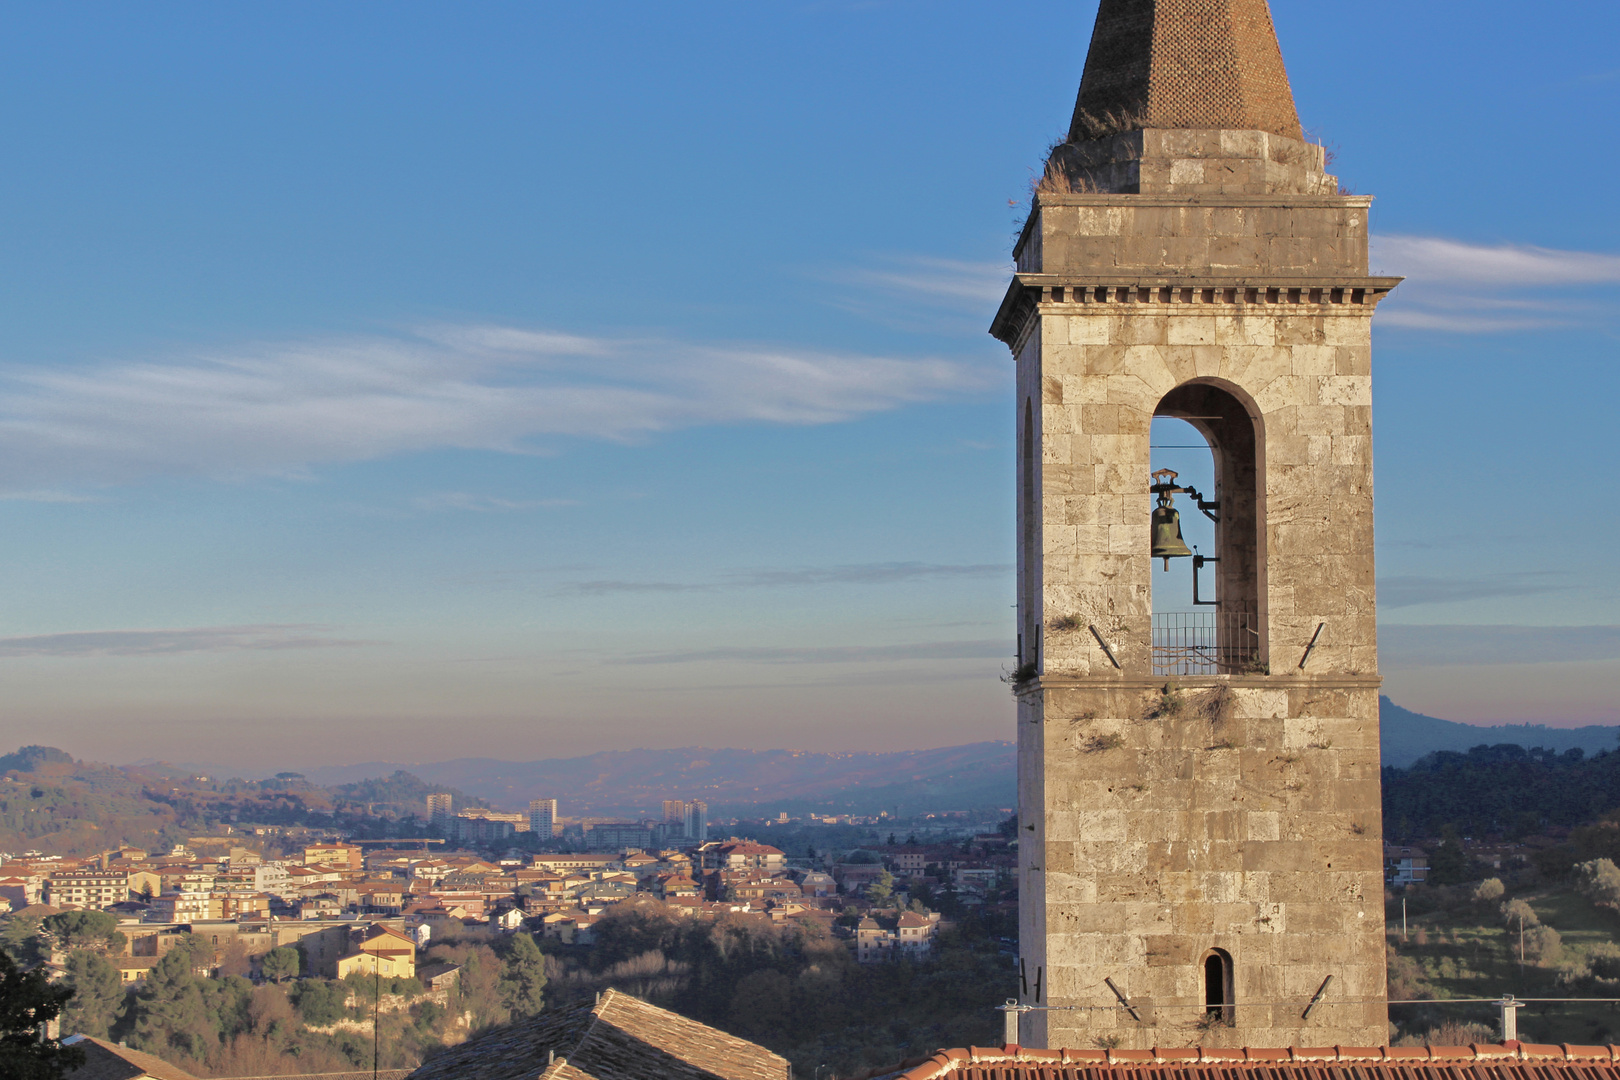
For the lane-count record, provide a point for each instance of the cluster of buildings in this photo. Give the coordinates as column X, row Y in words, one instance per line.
column 683, row 823
column 348, row 908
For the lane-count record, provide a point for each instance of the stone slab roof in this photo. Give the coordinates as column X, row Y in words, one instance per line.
column 1184, row 64
column 1510, row 1061
column 105, row 1060
column 619, row 1037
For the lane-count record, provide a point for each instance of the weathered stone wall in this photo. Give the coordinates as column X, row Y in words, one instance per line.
column 1194, row 161
column 1172, row 236
column 1246, row 821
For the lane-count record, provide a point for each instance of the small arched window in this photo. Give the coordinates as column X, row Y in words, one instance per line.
column 1218, row 1004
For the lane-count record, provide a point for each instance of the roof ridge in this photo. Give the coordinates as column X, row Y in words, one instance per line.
column 945, row 1062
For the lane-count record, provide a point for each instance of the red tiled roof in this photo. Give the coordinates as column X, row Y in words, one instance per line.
column 1510, row 1061
column 748, row 847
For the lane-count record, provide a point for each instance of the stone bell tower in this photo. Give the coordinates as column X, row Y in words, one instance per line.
column 1200, row 851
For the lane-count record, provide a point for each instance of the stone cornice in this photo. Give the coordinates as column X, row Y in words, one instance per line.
column 1196, row 682
column 1211, row 200
column 1207, row 293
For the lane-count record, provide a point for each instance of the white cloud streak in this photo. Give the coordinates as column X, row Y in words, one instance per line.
column 210, row 639
column 885, row 573
column 466, row 500
column 1453, row 287
column 1402, row 647
column 285, row 409
column 1428, row 258
column 1413, row 590
column 834, row 654
column 948, row 281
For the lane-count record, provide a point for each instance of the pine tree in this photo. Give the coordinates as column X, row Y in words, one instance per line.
column 27, row 1001
column 98, row 995
column 523, row 977
column 280, row 964
column 170, row 1013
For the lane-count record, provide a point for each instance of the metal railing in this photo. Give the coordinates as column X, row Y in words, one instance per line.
column 1205, row 643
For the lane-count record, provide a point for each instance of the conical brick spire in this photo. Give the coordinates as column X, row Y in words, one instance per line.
column 1184, row 64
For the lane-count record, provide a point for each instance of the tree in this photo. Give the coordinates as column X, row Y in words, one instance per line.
column 1599, row 881
column 170, row 1012
column 319, row 1002
column 28, row 1001
column 24, row 941
column 1516, row 913
column 1488, row 892
column 84, row 929
column 762, row 1003
column 1543, row 945
column 1448, row 863
column 98, row 995
column 280, row 964
column 523, row 977
column 881, row 891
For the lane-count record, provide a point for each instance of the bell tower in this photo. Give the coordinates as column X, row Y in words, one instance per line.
column 1200, row 838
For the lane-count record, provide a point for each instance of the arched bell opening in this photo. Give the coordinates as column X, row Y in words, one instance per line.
column 1219, row 1004
column 1208, row 589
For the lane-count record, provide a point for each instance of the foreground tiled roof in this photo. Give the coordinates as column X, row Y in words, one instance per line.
column 105, row 1060
column 618, row 1038
column 1510, row 1061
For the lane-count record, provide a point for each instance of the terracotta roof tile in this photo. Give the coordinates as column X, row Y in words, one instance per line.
column 1511, row 1061
column 1185, row 64
column 618, row 1038
column 105, row 1060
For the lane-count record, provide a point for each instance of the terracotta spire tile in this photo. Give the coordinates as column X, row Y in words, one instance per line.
column 1184, row 64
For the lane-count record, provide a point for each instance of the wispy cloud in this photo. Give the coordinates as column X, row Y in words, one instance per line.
column 266, row 636
column 834, row 654
column 882, row 573
column 869, row 574
column 1458, row 288
column 950, row 281
column 923, row 294
column 1429, row 258
column 466, row 500
column 1413, row 590
column 607, row 586
column 1452, row 646
column 286, row 408
column 47, row 497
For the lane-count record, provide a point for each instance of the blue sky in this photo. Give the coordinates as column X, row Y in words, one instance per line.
column 521, row 380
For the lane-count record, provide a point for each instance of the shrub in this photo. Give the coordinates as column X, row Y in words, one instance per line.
column 320, row 1002
column 1599, row 882
column 1543, row 946
column 1168, row 702
column 1518, row 913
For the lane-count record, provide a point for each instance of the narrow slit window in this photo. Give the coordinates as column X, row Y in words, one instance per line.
column 1218, row 1005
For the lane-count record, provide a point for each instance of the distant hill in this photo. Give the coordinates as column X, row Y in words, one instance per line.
column 1407, row 736
column 635, row 782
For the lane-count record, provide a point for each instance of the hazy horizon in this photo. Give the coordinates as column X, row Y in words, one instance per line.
column 525, row 380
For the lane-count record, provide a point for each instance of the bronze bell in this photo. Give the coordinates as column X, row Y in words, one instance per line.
column 1167, row 541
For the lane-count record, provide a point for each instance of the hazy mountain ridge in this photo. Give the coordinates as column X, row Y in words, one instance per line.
column 974, row 776
column 77, row 806
column 1406, row 736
